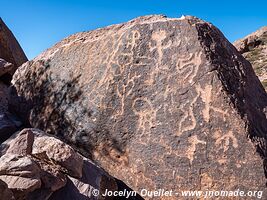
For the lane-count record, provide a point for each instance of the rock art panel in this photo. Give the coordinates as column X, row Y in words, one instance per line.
column 157, row 102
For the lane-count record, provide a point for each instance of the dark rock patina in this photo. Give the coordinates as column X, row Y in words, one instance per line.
column 157, row 102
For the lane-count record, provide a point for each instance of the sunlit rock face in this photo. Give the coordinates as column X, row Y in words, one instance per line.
column 10, row 49
column 254, row 48
column 35, row 165
column 157, row 102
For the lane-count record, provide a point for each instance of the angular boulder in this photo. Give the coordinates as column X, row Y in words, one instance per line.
column 52, row 175
column 21, row 174
column 22, row 144
column 93, row 178
column 10, row 50
column 159, row 103
column 35, row 165
column 59, row 152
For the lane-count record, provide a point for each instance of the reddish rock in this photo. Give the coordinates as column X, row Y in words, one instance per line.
column 22, row 144
column 59, row 152
column 21, row 174
column 43, row 167
column 10, row 49
column 254, row 48
column 11, row 57
column 93, row 178
column 52, row 175
column 157, row 102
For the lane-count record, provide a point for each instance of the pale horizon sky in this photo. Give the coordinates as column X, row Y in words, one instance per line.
column 40, row 24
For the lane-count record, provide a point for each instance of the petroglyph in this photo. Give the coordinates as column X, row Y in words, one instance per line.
column 143, row 108
column 124, row 90
column 206, row 181
column 225, row 140
column 159, row 106
column 193, row 142
column 188, row 66
column 223, row 113
column 188, row 117
column 196, row 61
column 159, row 36
column 206, row 95
column 133, row 38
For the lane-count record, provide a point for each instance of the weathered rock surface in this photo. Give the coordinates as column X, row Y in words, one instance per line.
column 157, row 102
column 6, row 194
column 10, row 49
column 11, row 57
column 5, row 67
column 60, row 153
column 51, row 170
column 93, row 178
column 52, row 177
column 254, row 49
column 21, row 174
column 8, row 122
column 22, row 145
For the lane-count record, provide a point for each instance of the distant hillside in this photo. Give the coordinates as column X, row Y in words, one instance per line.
column 254, row 49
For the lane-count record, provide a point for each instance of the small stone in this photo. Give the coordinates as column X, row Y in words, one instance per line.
column 23, row 143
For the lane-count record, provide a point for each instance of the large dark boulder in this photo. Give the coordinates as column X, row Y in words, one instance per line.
column 159, row 103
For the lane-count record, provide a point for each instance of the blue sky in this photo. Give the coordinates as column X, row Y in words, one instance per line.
column 40, row 24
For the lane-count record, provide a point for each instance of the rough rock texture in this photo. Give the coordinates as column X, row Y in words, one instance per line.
column 37, row 172
column 10, row 49
column 60, row 153
column 22, row 145
column 6, row 194
column 5, row 67
column 21, row 174
column 11, row 57
column 157, row 102
column 254, row 49
column 8, row 122
column 93, row 178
